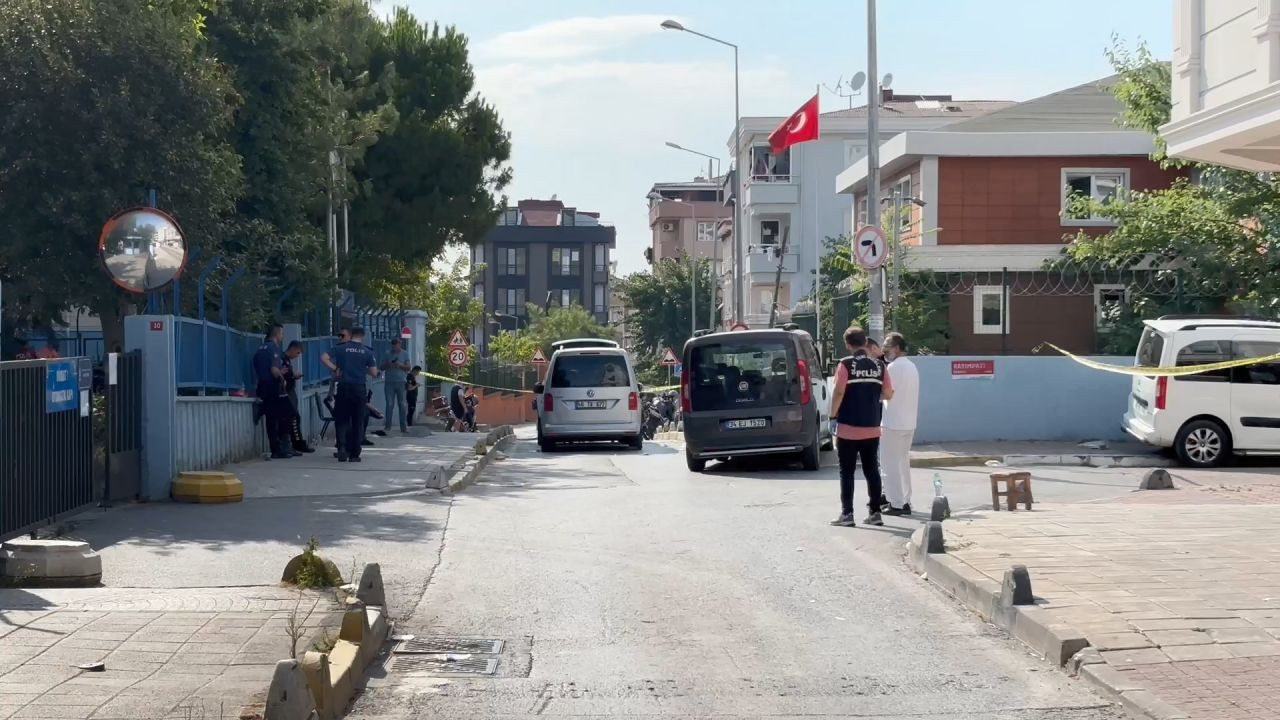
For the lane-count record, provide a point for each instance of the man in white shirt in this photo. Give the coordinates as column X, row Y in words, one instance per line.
column 898, row 425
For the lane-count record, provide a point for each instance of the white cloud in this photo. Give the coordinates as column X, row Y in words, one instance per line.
column 568, row 38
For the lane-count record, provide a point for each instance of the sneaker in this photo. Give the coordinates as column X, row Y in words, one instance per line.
column 281, row 455
column 845, row 520
column 873, row 519
column 342, row 457
column 906, row 508
column 366, row 442
column 304, row 449
column 898, row 511
column 884, row 503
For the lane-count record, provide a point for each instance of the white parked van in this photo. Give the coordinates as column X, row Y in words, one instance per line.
column 1207, row 417
column 591, row 393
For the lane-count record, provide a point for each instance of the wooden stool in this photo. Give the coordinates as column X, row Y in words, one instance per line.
column 1017, row 489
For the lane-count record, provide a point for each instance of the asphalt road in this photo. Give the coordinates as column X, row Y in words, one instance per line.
column 625, row 586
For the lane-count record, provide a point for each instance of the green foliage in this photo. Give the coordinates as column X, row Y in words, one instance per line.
column 445, row 295
column 1213, row 238
column 660, row 303
column 546, row 327
column 513, row 348
column 315, row 571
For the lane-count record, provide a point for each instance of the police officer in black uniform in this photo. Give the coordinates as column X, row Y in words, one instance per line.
column 291, row 376
column 861, row 384
column 352, row 364
column 268, row 367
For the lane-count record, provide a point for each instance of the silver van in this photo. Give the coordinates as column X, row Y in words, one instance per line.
column 590, row 394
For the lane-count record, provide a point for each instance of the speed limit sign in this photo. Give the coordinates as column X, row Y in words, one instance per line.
column 457, row 357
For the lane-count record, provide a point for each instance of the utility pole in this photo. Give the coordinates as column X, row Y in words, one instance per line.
column 876, row 294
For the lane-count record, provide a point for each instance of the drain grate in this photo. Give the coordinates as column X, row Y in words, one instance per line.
column 447, row 646
column 445, row 664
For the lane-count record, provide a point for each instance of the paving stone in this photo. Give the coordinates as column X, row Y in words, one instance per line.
column 134, row 645
column 1253, row 649
column 129, row 707
column 1180, row 653
column 1239, row 635
column 1165, row 638
column 77, row 698
column 1119, row 641
column 54, row 712
column 1143, row 656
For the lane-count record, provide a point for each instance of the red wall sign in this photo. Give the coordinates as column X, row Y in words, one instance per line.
column 157, row 326
column 973, row 369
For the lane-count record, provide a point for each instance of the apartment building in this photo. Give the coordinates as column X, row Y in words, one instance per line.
column 545, row 253
column 790, row 195
column 995, row 193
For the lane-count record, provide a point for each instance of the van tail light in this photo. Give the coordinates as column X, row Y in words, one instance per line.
column 686, row 403
column 633, row 401
column 548, row 402
column 1162, row 392
column 806, row 387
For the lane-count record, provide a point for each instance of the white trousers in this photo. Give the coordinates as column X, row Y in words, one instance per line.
column 895, row 465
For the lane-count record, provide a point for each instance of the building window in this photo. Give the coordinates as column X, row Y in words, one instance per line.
column 1102, row 185
column 706, row 232
column 511, row 261
column 990, row 310
column 477, row 256
column 566, row 261
column 510, row 216
column 853, row 153
column 1108, row 302
column 478, row 292
column 568, row 217
column 597, row 301
column 767, row 167
column 566, row 297
column 862, row 212
column 770, row 232
column 903, row 190
column 512, row 301
column 601, row 257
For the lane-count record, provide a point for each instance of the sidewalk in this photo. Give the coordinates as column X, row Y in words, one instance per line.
column 192, row 618
column 1176, row 591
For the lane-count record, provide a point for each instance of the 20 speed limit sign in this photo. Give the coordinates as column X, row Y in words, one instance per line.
column 457, row 357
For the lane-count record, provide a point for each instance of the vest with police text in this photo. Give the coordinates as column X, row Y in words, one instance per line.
column 860, row 406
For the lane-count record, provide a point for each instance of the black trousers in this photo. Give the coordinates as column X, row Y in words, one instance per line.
column 295, row 422
column 849, row 452
column 277, row 414
column 411, row 402
column 349, row 418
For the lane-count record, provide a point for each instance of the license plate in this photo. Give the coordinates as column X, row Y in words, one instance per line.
column 745, row 424
column 590, row 404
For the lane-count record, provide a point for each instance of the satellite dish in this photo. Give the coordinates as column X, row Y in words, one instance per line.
column 887, row 81
column 857, row 81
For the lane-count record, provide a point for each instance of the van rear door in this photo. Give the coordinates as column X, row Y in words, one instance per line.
column 1255, row 395
column 1142, row 397
column 740, row 385
column 590, row 387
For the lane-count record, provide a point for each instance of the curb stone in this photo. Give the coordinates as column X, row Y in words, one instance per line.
column 466, row 475
column 1063, row 645
column 1097, row 460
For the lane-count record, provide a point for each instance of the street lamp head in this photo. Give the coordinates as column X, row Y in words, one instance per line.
column 671, row 25
column 673, row 145
column 918, row 202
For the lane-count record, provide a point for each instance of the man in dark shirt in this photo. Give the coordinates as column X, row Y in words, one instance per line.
column 268, row 368
column 352, row 364
column 291, row 376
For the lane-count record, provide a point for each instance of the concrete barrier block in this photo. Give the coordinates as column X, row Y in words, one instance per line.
column 1017, row 587
column 1055, row 641
column 941, row 509
column 1157, row 479
column 371, row 590
column 288, row 697
column 36, row 563
column 933, row 540
column 207, row 486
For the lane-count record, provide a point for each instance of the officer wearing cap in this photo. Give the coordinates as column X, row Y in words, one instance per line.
column 352, row 363
column 269, row 372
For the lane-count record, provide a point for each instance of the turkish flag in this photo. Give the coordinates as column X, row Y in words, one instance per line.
column 802, row 126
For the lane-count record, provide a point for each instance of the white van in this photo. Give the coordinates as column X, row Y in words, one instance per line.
column 591, row 393
column 1207, row 417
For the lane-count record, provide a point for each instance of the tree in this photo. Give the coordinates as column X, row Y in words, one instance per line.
column 104, row 100
column 513, row 348
column 548, row 326
column 659, row 299
column 1206, row 243
column 444, row 294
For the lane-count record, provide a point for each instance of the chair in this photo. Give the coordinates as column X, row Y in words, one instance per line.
column 323, row 407
column 1017, row 489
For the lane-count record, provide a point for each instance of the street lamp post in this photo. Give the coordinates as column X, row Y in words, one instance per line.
column 738, row 185
column 715, row 241
column 895, row 250
column 875, row 311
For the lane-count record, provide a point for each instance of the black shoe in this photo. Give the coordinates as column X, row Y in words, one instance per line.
column 366, row 442
column 303, row 449
column 342, row 457
column 355, row 459
column 906, row 508
column 379, row 433
column 896, row 511
column 281, row 456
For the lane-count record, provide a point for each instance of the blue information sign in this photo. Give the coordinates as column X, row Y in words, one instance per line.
column 679, row 369
column 62, row 386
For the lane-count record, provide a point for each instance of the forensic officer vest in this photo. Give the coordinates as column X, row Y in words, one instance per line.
column 861, row 404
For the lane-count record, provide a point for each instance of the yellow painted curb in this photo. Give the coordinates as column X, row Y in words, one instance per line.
column 208, row 487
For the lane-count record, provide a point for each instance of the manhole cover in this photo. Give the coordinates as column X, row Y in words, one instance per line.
column 448, row 645
column 445, row 664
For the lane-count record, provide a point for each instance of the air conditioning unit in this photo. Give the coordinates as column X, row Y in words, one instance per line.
column 668, row 227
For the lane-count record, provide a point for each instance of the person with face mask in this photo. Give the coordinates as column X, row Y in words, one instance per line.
column 898, row 425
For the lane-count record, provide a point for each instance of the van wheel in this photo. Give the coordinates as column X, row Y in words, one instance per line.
column 1202, row 444
column 636, row 443
column 544, row 444
column 829, row 444
column 695, row 464
column 809, row 457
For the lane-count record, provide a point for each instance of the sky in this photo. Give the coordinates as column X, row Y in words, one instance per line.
column 590, row 90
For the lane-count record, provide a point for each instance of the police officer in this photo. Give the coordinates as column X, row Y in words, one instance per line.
column 861, row 384
column 352, row 364
column 291, row 376
column 268, row 367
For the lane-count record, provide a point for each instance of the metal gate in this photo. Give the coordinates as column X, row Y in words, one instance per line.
column 46, row 442
column 122, row 444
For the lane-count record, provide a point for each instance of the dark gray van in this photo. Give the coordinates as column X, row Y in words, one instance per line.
column 754, row 392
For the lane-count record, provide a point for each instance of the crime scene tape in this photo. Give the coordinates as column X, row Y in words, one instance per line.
column 665, row 388
column 1161, row 371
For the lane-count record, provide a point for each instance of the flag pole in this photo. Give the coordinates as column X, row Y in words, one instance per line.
column 817, row 283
